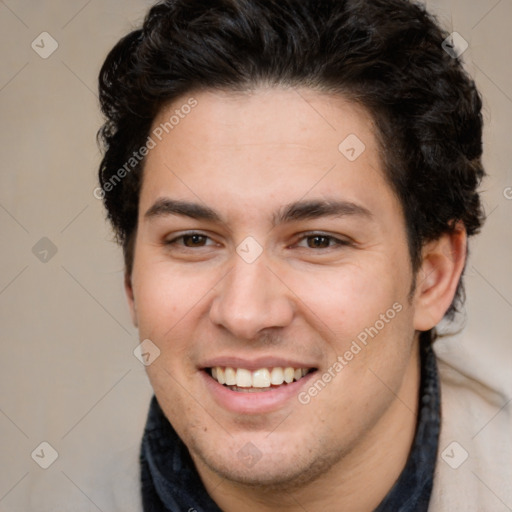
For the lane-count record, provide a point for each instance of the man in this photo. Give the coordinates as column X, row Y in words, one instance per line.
column 293, row 184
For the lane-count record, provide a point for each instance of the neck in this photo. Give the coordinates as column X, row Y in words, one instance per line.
column 358, row 482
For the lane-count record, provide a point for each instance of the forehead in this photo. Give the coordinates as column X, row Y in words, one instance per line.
column 266, row 145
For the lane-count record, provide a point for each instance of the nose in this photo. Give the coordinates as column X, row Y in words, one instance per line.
column 251, row 298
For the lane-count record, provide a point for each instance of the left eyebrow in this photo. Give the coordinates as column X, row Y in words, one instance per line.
column 308, row 210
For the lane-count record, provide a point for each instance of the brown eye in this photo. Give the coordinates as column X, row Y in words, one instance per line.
column 194, row 240
column 318, row 241
column 321, row 241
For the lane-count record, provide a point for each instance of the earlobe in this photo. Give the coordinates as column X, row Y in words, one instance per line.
column 437, row 281
column 128, row 287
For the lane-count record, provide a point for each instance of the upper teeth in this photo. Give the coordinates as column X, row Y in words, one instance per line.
column 262, row 378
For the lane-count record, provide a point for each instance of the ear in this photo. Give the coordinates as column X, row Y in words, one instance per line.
column 443, row 261
column 128, row 288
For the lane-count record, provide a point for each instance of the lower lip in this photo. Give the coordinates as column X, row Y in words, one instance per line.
column 255, row 402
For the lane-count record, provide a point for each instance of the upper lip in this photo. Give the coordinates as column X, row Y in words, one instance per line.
column 254, row 364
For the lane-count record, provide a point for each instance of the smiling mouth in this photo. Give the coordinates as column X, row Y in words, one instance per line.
column 263, row 379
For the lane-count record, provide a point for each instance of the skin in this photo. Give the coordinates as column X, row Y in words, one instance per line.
column 246, row 156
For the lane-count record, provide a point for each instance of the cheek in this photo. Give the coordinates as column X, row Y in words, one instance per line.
column 166, row 296
column 349, row 298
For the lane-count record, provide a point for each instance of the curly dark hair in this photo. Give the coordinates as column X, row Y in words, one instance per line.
column 386, row 55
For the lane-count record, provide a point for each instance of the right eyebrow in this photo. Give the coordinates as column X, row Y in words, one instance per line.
column 165, row 206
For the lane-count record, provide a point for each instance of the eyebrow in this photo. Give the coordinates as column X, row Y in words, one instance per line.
column 307, row 210
column 163, row 207
column 293, row 212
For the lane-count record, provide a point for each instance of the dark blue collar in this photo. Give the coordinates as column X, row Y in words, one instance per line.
column 170, row 481
column 412, row 490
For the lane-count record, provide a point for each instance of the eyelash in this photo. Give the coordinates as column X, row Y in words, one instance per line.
column 335, row 241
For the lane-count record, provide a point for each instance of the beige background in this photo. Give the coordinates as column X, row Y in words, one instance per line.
column 67, row 372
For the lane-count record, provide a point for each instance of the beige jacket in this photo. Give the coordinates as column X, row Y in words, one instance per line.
column 474, row 469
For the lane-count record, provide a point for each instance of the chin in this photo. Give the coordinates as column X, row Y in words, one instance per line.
column 273, row 468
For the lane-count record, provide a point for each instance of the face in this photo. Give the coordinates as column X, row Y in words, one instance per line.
column 271, row 245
